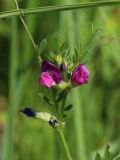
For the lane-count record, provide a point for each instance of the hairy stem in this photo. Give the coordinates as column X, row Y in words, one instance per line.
column 22, row 12
column 64, row 144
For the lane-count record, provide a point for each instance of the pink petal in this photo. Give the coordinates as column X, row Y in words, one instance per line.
column 46, row 79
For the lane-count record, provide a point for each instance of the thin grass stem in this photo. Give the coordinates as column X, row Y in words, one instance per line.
column 16, row 4
column 29, row 34
column 27, row 30
column 56, row 8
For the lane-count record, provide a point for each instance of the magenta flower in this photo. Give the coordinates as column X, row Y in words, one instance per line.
column 50, row 74
column 80, row 75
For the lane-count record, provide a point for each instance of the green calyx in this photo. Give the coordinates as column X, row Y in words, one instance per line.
column 64, row 85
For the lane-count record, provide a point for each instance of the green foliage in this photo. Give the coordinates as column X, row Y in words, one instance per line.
column 94, row 120
column 107, row 155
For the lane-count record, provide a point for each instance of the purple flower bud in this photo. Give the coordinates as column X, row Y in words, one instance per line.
column 80, row 75
column 50, row 74
column 62, row 67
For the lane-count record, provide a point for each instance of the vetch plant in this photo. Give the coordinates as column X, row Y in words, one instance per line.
column 60, row 74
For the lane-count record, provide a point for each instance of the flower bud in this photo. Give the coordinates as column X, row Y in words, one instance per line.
column 59, row 59
column 50, row 75
column 80, row 75
column 62, row 67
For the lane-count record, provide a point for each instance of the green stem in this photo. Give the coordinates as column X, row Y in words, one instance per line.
column 54, row 110
column 16, row 4
column 64, row 144
column 29, row 34
column 63, row 106
column 22, row 12
column 27, row 30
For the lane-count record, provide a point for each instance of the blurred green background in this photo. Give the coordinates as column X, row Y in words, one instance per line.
column 95, row 119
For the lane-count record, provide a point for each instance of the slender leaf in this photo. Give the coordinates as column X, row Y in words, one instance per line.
column 68, row 108
column 46, row 99
column 42, row 46
column 60, row 96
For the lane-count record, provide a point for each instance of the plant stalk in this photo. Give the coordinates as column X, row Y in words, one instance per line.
column 64, row 144
column 27, row 30
column 56, row 8
column 63, row 106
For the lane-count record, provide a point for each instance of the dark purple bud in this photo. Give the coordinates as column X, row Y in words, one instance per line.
column 80, row 75
column 62, row 67
column 28, row 111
